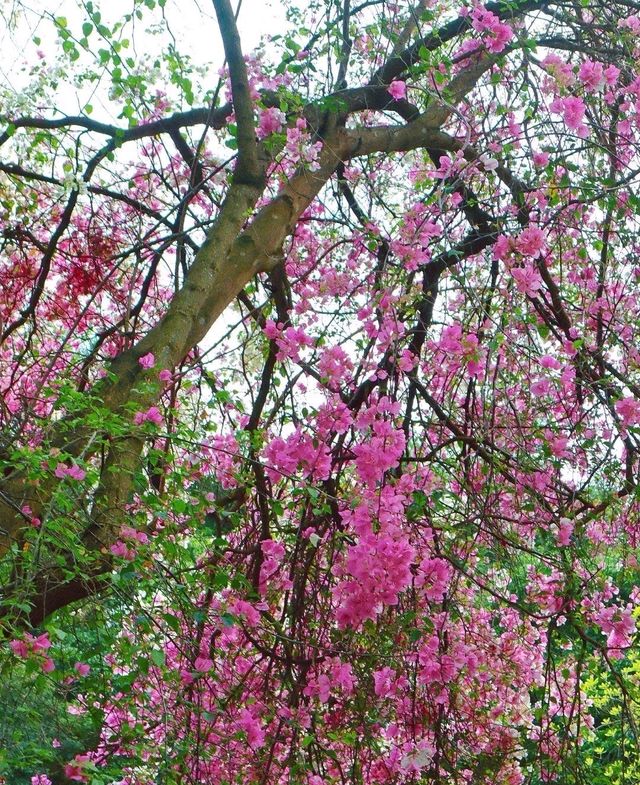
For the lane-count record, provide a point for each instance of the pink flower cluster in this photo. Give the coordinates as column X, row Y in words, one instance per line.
column 381, row 452
column 631, row 23
column 618, row 624
column 125, row 548
column 271, row 121
column 337, row 678
column 628, row 409
column 531, row 242
column 497, row 34
column 290, row 340
column 434, row 575
column 572, row 110
column 152, row 415
column 335, row 366
column 273, row 554
column 30, row 646
column 77, row 769
column 463, row 347
column 300, row 149
column 397, row 90
column 299, row 452
column 379, row 568
column 595, row 77
column 147, row 361
column 73, row 471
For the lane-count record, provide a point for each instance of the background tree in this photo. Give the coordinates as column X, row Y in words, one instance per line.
column 378, row 525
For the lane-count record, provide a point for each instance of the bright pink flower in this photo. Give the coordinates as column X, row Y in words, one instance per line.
column 631, row 23
column 47, row 665
column 75, row 472
column 271, row 121
column 572, row 110
column 82, row 669
column 251, row 726
column 19, row 648
column 41, row 643
column 531, row 242
column 565, row 530
column 527, row 280
column 147, row 361
column 165, row 375
column 611, row 74
column 559, row 69
column 77, row 768
column 628, row 410
column 397, row 90
column 40, row 779
column 122, row 550
column 152, row 415
column 540, row 159
column 203, row 664
column 591, row 75
column 383, row 681
column 498, row 33
column 547, row 361
column 618, row 624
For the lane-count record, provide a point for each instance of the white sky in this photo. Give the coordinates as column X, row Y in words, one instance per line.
column 192, row 22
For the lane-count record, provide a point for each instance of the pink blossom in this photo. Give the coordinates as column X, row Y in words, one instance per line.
column 251, row 726
column 75, row 472
column 611, row 74
column 433, row 577
column 540, row 159
column 271, row 121
column 47, row 665
column 165, row 375
column 82, row 669
column 565, row 530
column 122, row 550
column 19, row 648
column 631, row 23
column 152, row 415
column 203, row 664
column 498, row 33
column 147, row 361
column 41, row 643
column 559, row 69
column 628, row 410
column 618, row 624
column 383, row 681
column 572, row 110
column 547, row 361
column 76, row 769
column 527, row 280
column 541, row 387
column 591, row 75
column 531, row 242
column 397, row 90
column 40, row 779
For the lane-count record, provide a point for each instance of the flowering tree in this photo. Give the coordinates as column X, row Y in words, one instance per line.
column 378, row 524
